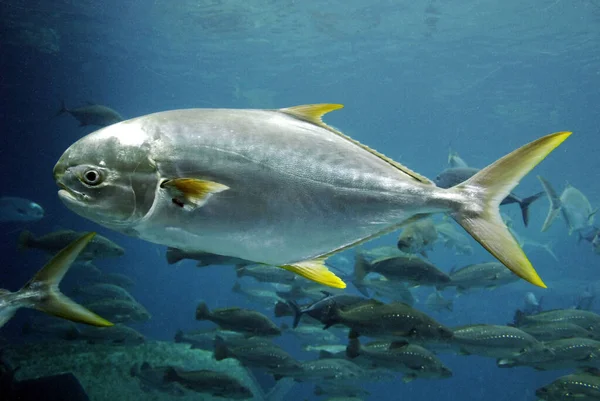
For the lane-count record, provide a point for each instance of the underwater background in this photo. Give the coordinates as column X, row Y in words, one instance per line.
column 417, row 78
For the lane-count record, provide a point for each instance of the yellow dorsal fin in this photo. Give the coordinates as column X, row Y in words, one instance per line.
column 313, row 113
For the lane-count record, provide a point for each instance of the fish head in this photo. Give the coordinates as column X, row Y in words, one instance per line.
column 108, row 176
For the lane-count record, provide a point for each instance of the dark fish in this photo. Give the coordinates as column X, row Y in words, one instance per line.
column 329, row 369
column 409, row 269
column 455, row 175
column 175, row 255
column 412, row 360
column 321, row 310
column 555, row 331
column 559, row 354
column 238, row 319
column 92, row 114
column 100, row 247
column 584, row 385
column 118, row 334
column 218, row 384
column 586, row 319
column 481, row 275
column 492, row 340
column 116, row 279
column 205, row 339
column 103, row 291
column 376, row 319
column 257, row 353
column 418, row 237
column 340, row 390
column 152, row 379
column 120, row 311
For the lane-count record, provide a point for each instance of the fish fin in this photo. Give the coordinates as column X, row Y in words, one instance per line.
column 174, row 255
column 24, row 240
column 192, row 192
column 480, row 215
column 407, row 378
column 361, row 269
column 353, row 348
column 63, row 108
column 46, row 281
column 313, row 113
column 555, row 203
column 297, row 313
column 316, row 270
column 237, row 287
column 524, row 205
column 202, row 311
column 220, row 351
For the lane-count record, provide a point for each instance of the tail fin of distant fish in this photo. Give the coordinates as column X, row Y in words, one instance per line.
column 480, row 214
column 525, row 203
column 555, row 203
column 63, row 109
column 297, row 313
column 24, row 240
column 45, row 295
column 221, row 351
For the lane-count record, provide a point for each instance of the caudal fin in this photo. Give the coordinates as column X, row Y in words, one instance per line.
column 479, row 214
column 24, row 240
column 555, row 203
column 297, row 313
column 525, row 203
column 50, row 299
column 63, row 108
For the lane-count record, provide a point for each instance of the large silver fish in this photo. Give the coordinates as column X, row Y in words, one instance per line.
column 278, row 187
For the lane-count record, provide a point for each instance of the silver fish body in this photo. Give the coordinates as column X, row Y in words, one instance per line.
column 282, row 187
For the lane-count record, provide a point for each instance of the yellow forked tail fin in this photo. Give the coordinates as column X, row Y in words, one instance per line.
column 46, row 282
column 480, row 215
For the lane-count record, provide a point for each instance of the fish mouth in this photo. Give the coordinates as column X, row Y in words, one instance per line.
column 67, row 194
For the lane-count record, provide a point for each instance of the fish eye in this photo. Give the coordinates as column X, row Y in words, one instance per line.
column 92, row 177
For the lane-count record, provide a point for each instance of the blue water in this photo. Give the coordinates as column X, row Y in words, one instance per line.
column 416, row 77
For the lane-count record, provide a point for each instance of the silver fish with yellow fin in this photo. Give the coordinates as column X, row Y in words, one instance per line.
column 42, row 293
column 278, row 187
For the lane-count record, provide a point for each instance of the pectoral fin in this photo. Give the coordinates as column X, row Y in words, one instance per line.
column 191, row 192
column 316, row 270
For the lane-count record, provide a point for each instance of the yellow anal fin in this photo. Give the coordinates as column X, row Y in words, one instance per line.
column 313, row 113
column 315, row 270
column 192, row 192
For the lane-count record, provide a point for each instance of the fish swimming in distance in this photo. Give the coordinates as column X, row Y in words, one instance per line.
column 278, row 187
column 42, row 293
column 92, row 114
column 19, row 210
